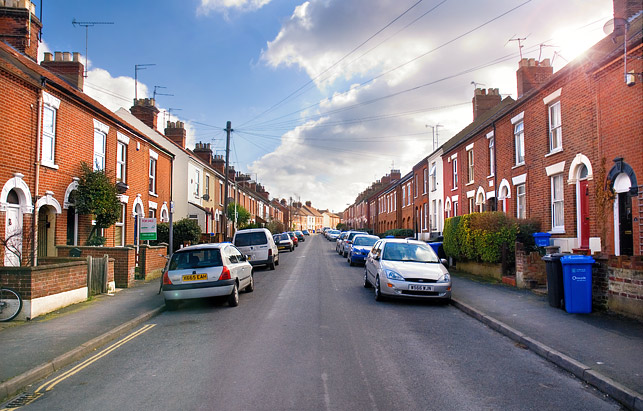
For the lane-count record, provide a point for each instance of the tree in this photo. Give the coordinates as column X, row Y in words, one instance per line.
column 97, row 196
column 243, row 215
column 185, row 231
column 276, row 226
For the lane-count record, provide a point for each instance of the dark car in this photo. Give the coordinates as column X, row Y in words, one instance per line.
column 294, row 238
column 284, row 242
column 300, row 235
column 306, row 232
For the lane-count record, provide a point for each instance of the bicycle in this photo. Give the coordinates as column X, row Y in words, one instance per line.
column 10, row 303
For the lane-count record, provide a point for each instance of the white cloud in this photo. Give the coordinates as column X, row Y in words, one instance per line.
column 225, row 6
column 330, row 161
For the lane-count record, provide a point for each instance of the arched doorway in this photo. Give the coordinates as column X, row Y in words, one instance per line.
column 583, row 206
column 625, row 187
column 46, row 231
column 13, row 230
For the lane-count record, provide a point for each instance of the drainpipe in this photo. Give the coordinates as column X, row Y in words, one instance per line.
column 495, row 164
column 34, row 222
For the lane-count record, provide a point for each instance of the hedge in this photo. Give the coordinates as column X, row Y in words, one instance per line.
column 482, row 236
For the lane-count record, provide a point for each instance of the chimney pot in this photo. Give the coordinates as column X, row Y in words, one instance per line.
column 66, row 56
column 58, row 56
column 48, row 56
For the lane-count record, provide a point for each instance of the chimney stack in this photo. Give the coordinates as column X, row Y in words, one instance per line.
column 145, row 110
column 625, row 9
column 218, row 163
column 532, row 74
column 484, row 100
column 202, row 151
column 66, row 66
column 20, row 27
column 309, row 204
column 175, row 131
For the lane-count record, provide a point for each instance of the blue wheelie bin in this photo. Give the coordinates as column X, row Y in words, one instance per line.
column 577, row 279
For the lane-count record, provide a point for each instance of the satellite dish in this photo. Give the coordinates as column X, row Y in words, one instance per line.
column 615, row 26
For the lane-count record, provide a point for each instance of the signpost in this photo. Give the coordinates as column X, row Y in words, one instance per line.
column 148, row 229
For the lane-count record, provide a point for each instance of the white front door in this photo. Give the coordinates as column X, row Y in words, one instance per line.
column 13, row 237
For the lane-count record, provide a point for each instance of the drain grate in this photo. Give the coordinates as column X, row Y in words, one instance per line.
column 23, row 400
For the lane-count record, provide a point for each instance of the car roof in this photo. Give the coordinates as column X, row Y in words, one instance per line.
column 402, row 240
column 365, row 235
column 251, row 230
column 202, row 246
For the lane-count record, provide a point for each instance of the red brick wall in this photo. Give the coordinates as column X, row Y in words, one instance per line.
column 152, row 260
column 124, row 261
column 41, row 281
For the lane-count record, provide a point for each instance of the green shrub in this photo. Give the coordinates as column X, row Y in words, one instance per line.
column 450, row 234
column 185, row 231
column 399, row 233
column 526, row 229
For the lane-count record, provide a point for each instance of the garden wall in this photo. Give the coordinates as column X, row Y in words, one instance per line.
column 124, row 260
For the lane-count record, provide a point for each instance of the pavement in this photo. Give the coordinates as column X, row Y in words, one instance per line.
column 602, row 349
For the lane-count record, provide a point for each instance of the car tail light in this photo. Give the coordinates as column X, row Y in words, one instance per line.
column 225, row 273
column 270, row 252
column 166, row 279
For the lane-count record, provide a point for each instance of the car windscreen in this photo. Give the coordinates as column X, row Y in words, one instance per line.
column 280, row 237
column 246, row 239
column 352, row 235
column 183, row 260
column 365, row 241
column 409, row 252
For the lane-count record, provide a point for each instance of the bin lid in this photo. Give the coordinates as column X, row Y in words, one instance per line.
column 553, row 256
column 542, row 235
column 577, row 259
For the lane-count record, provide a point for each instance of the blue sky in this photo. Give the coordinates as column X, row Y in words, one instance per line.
column 313, row 120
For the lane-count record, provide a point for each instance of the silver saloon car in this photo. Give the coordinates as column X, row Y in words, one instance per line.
column 206, row 270
column 406, row 269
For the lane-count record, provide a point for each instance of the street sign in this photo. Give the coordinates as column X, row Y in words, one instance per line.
column 148, row 229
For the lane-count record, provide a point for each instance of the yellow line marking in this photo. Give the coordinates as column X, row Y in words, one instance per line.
column 51, row 384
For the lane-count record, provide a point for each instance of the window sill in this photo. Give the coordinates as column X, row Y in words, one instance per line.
column 551, row 153
column 491, row 176
column 454, row 189
column 517, row 165
column 557, row 231
column 50, row 165
column 153, row 194
column 469, row 184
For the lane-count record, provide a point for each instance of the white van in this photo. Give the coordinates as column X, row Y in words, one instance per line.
column 258, row 244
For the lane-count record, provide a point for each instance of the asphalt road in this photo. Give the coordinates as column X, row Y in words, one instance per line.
column 310, row 337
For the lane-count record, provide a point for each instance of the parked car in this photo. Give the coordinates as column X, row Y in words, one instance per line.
column 340, row 239
column 347, row 242
column 300, row 235
column 258, row 245
column 294, row 238
column 284, row 242
column 332, row 235
column 360, row 248
column 306, row 232
column 206, row 270
column 406, row 269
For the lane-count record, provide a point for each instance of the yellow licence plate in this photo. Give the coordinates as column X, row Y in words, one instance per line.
column 195, row 277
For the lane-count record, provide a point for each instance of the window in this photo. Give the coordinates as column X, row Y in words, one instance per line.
column 121, row 162
column 455, row 172
column 555, row 130
column 403, row 196
column 197, row 183
column 415, row 186
column 425, row 180
column 470, row 168
column 426, row 215
column 434, row 178
column 492, row 158
column 151, row 213
column 557, row 205
column 48, row 134
column 519, row 141
column 448, row 209
column 152, row 187
column 395, row 201
column 119, row 228
column 472, row 208
column 455, row 208
column 99, row 150
column 434, row 217
column 521, row 201
column 408, row 197
column 221, row 194
column 207, row 187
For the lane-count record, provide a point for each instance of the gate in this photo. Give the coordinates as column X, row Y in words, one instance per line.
column 97, row 274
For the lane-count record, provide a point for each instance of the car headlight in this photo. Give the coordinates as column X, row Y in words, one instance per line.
column 445, row 278
column 392, row 275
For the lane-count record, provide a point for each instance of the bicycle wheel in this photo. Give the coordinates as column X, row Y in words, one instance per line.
column 10, row 304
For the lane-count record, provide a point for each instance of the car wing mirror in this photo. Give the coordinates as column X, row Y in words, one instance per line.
column 444, row 262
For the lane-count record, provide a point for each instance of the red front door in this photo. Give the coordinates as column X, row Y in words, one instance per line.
column 584, row 214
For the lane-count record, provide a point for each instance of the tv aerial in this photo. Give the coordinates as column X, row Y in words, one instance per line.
column 87, row 25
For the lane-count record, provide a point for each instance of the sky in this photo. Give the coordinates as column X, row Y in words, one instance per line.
column 324, row 96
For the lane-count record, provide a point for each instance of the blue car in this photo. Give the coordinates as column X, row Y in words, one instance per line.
column 360, row 248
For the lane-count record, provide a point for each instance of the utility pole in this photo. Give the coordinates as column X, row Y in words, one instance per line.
column 228, row 129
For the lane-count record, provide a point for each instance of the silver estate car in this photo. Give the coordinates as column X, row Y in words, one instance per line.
column 406, row 269
column 206, row 270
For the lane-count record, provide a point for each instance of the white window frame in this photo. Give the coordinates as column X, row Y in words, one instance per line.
column 403, row 196
column 121, row 224
column 521, row 201
column 48, row 136
column 152, row 175
column 121, row 162
column 470, row 165
column 434, row 221
column 415, row 186
column 555, row 127
column 425, row 183
column 99, row 150
column 455, row 208
column 492, row 157
column 557, row 203
column 454, row 164
column 434, row 177
column 519, row 142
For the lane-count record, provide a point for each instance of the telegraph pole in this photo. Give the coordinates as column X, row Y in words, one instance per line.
column 228, row 129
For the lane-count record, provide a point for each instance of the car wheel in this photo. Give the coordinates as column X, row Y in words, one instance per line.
column 292, row 248
column 366, row 283
column 171, row 305
column 272, row 265
column 378, row 291
column 251, row 287
column 350, row 262
column 345, row 254
column 277, row 262
column 233, row 299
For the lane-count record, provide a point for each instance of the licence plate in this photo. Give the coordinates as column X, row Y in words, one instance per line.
column 195, row 277
column 414, row 287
